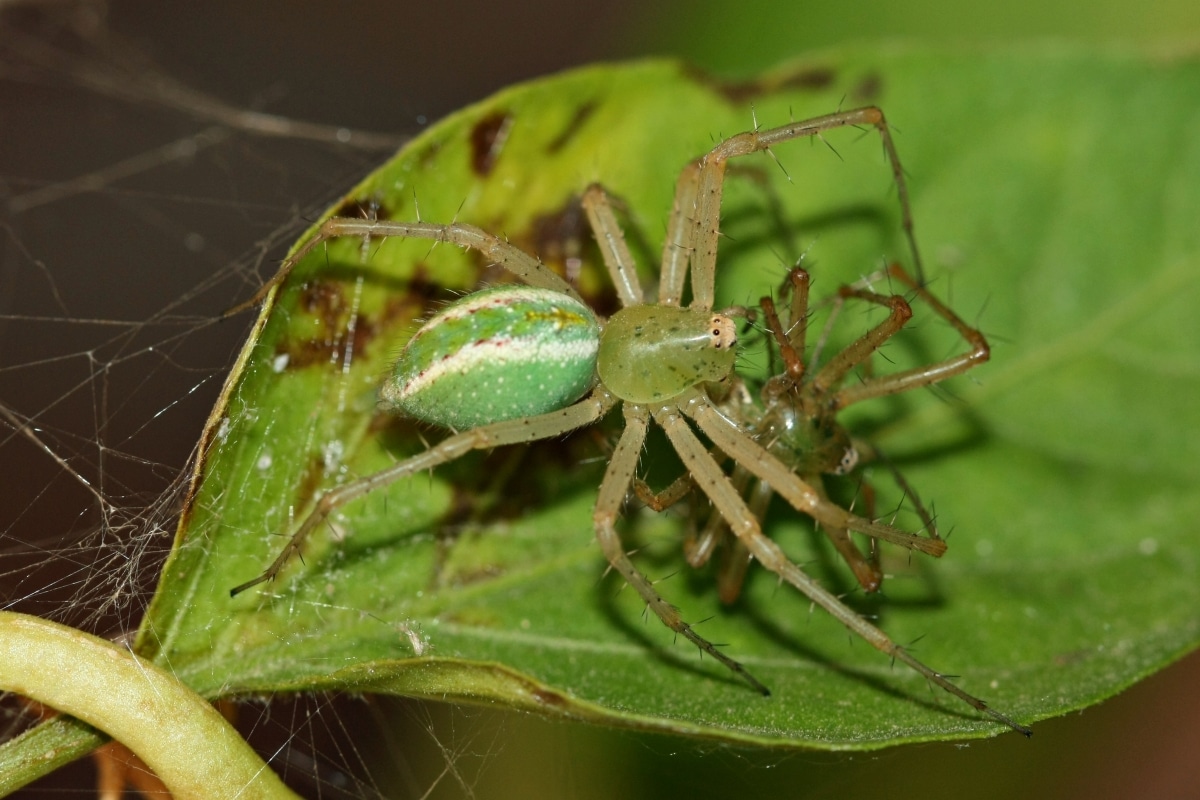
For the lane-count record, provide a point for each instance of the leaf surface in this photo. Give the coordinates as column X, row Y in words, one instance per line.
column 1055, row 196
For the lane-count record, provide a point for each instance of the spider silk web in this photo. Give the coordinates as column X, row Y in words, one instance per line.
column 153, row 171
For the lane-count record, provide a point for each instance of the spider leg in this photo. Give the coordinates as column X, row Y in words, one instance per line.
column 791, row 341
column 679, row 488
column 745, row 526
column 616, row 483
column 866, row 569
column 613, row 248
column 802, row 497
column 872, row 453
column 785, row 389
column 677, row 249
column 698, row 549
column 735, row 559
column 918, row 376
column 529, row 269
column 529, row 429
column 858, row 351
column 869, row 505
column 706, row 221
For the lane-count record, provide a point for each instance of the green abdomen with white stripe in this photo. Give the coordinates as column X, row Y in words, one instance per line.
column 498, row 354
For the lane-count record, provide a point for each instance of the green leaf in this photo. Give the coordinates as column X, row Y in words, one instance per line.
column 1055, row 196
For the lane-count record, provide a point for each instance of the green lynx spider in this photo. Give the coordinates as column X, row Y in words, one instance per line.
column 635, row 335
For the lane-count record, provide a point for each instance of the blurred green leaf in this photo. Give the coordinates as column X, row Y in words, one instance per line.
column 1055, row 194
column 753, row 35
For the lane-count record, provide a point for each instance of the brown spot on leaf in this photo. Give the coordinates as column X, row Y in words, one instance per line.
column 422, row 298
column 322, row 299
column 330, row 350
column 337, row 336
column 356, row 208
column 487, row 140
column 350, row 207
column 573, row 127
column 563, row 240
column 811, row 78
column 868, row 88
column 559, row 236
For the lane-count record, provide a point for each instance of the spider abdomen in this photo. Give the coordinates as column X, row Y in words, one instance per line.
column 498, row 354
column 653, row 353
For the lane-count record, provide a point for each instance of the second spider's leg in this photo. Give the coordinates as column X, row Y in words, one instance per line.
column 869, row 506
column 919, row 376
column 517, row 431
column 679, row 488
column 865, row 568
column 735, row 560
column 858, row 351
column 742, row 522
column 792, row 341
column 529, row 269
column 707, row 218
column 788, row 382
column 700, row 549
column 873, row 454
column 745, row 451
column 613, row 248
column 797, row 333
column 611, row 497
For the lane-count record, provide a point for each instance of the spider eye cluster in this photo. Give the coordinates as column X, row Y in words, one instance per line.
column 724, row 332
column 848, row 461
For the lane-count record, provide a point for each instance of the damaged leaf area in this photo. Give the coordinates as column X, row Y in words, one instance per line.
column 1061, row 467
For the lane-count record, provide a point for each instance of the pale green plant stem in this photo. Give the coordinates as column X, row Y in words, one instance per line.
column 179, row 735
